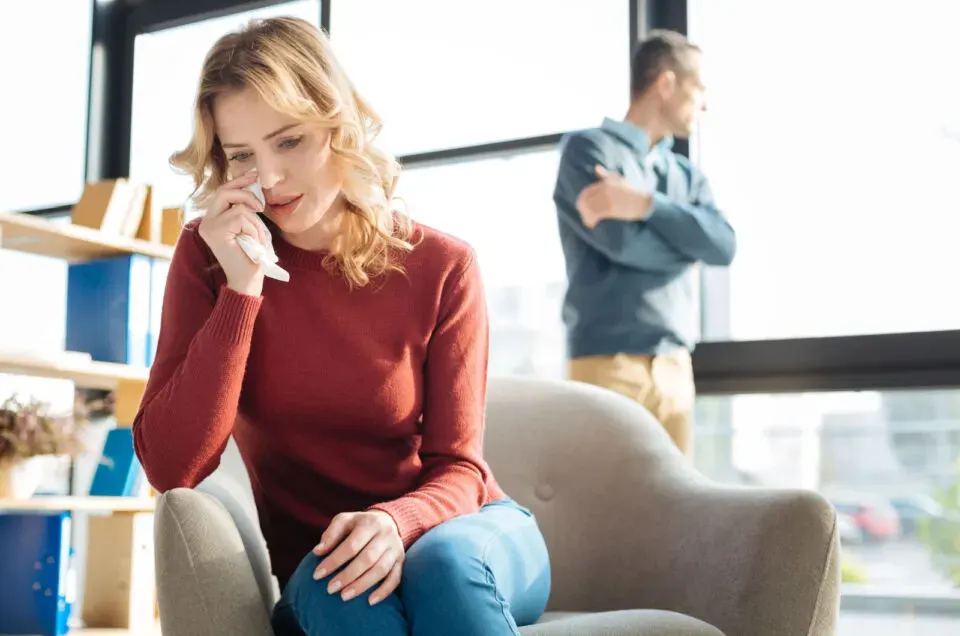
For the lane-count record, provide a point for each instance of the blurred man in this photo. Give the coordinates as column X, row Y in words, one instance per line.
column 635, row 220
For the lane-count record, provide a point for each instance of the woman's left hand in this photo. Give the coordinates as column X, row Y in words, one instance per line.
column 370, row 543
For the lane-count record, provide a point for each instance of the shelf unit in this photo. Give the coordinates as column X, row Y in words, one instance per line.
column 119, row 592
column 109, row 505
column 85, row 374
column 73, row 243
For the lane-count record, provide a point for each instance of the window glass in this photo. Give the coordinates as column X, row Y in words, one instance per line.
column 502, row 206
column 445, row 74
column 167, row 68
column 832, row 140
column 46, row 82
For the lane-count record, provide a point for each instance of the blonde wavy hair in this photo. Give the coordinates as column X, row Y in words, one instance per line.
column 290, row 64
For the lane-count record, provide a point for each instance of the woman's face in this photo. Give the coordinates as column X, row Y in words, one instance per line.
column 293, row 160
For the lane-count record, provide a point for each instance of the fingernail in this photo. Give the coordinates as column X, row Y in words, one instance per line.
column 332, row 589
column 374, row 600
column 347, row 595
column 318, row 574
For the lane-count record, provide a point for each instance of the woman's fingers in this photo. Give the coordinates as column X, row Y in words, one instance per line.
column 240, row 219
column 226, row 198
column 365, row 565
column 340, row 526
column 350, row 547
column 390, row 583
column 242, row 181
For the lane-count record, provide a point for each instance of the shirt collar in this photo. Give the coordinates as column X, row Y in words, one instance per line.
column 634, row 136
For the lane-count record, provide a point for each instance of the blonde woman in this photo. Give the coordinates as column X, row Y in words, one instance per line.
column 355, row 390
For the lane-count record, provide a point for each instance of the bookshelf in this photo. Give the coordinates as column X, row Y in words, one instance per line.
column 80, row 504
column 73, row 243
column 85, row 373
column 119, row 586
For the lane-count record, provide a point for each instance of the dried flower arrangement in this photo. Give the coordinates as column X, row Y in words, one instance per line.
column 28, row 429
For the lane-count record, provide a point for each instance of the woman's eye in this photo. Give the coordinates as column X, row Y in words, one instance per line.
column 291, row 143
column 240, row 156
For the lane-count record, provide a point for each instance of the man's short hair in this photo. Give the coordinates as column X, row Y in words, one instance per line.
column 661, row 51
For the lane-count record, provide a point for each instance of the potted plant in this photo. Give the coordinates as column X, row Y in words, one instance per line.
column 29, row 430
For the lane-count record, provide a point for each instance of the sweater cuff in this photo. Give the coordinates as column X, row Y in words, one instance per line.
column 406, row 514
column 234, row 315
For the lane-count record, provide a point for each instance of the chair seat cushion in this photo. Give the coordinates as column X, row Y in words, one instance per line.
column 621, row 623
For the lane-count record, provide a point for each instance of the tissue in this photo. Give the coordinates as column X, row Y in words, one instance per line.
column 262, row 253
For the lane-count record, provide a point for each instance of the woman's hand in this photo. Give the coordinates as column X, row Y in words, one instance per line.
column 233, row 212
column 370, row 542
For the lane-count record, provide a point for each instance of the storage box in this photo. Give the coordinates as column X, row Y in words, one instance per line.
column 112, row 206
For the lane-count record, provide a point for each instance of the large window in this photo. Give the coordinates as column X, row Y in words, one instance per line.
column 833, row 141
column 167, row 68
column 46, row 46
column 502, row 207
column 455, row 73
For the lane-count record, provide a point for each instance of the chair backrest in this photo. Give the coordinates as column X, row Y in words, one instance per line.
column 564, row 450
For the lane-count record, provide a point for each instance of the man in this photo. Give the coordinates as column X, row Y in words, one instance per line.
column 635, row 220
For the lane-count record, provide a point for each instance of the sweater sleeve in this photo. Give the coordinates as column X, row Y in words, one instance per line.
column 190, row 403
column 454, row 474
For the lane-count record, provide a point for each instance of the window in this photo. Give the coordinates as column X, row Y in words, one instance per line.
column 833, row 141
column 888, row 461
column 44, row 102
column 455, row 74
column 167, row 68
column 502, row 206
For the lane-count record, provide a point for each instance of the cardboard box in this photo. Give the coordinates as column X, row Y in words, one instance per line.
column 112, row 206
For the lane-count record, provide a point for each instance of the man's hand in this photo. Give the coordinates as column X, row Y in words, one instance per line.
column 612, row 197
column 370, row 543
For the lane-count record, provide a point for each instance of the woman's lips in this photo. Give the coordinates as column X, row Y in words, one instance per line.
column 284, row 205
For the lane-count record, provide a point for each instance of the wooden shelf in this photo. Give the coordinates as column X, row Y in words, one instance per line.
column 34, row 235
column 86, row 374
column 80, row 504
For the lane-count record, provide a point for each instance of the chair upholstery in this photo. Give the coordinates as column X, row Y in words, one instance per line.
column 640, row 543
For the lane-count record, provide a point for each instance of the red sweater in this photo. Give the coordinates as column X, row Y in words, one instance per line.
column 338, row 400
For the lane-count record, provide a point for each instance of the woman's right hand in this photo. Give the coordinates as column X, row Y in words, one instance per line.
column 233, row 212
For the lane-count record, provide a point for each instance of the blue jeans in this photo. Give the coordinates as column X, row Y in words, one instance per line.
column 482, row 574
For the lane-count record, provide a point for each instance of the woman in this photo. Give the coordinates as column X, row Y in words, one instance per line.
column 355, row 391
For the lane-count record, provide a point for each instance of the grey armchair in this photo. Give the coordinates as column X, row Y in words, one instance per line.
column 641, row 544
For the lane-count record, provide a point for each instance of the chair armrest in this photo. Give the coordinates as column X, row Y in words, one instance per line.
column 630, row 524
column 205, row 583
column 749, row 561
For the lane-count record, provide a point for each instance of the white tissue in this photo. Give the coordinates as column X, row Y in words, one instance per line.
column 262, row 253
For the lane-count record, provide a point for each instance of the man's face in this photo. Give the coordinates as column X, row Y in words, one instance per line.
column 685, row 100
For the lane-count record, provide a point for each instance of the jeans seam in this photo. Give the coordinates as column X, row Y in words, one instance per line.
column 488, row 573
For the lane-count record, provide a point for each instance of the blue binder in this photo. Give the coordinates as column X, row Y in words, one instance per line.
column 119, row 473
column 34, row 558
column 108, row 309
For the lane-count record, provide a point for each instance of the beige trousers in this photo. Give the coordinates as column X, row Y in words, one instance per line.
column 663, row 384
